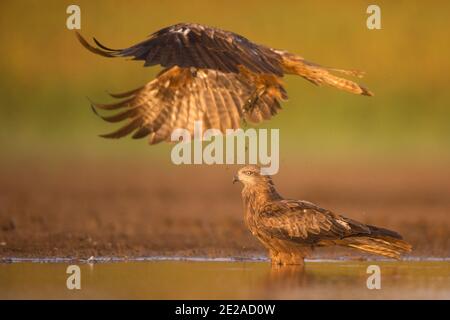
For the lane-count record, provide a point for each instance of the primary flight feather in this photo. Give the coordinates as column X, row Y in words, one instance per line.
column 210, row 75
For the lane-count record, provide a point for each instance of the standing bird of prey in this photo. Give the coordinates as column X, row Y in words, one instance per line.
column 210, row 75
column 290, row 229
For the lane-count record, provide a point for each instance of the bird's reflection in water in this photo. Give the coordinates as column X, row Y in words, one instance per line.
column 280, row 281
column 306, row 281
column 287, row 277
column 284, row 282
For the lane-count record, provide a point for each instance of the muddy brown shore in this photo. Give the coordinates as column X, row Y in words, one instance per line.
column 96, row 208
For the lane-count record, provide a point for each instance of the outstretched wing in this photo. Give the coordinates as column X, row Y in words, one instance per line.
column 193, row 45
column 178, row 97
column 211, row 75
column 305, row 223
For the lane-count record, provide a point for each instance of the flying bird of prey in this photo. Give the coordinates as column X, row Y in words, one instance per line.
column 290, row 229
column 210, row 75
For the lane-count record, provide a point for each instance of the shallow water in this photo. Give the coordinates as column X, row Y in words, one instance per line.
column 226, row 280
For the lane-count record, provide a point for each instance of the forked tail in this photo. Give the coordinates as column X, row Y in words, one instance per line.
column 319, row 75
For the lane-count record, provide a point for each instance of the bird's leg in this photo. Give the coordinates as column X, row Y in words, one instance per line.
column 248, row 106
column 274, row 257
column 252, row 100
column 286, row 258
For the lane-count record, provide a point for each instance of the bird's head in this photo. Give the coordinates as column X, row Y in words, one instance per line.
column 251, row 175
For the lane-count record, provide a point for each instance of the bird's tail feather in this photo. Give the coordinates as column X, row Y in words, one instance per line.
column 319, row 75
column 384, row 246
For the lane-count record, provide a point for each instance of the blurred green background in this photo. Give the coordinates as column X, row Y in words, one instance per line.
column 45, row 74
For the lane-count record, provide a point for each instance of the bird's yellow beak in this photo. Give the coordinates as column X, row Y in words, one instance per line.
column 235, row 179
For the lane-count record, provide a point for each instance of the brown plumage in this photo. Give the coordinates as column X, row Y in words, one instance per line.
column 290, row 229
column 210, row 75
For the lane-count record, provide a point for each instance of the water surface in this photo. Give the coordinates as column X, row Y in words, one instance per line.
column 226, row 280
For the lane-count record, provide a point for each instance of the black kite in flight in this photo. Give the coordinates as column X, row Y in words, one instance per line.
column 212, row 75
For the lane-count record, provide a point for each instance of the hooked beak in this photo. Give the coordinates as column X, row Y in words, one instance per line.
column 235, row 179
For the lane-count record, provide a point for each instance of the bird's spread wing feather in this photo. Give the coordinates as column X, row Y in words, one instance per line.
column 178, row 97
column 193, row 45
column 304, row 222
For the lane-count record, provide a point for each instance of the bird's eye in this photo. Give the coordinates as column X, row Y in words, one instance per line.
column 249, row 173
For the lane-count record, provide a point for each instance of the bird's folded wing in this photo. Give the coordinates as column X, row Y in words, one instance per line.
column 306, row 223
column 193, row 45
column 178, row 97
